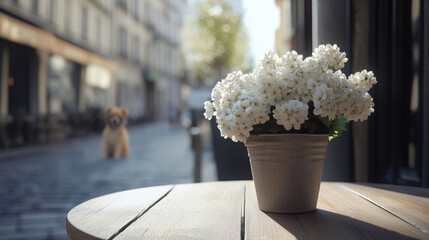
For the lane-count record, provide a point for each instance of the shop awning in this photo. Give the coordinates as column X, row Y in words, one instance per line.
column 26, row 34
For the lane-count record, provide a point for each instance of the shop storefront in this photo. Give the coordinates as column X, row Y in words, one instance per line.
column 63, row 85
column 47, row 85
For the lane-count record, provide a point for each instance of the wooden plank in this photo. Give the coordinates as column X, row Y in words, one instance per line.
column 409, row 207
column 105, row 216
column 342, row 214
column 416, row 191
column 193, row 211
column 264, row 225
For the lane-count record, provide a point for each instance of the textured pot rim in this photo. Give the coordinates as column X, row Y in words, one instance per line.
column 283, row 135
column 291, row 134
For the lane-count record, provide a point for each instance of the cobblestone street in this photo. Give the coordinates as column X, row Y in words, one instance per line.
column 40, row 184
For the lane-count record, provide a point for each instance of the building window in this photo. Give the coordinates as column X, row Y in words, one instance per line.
column 136, row 49
column 85, row 24
column 122, row 3
column 52, row 6
column 136, row 9
column 99, row 32
column 122, row 42
column 146, row 11
column 172, row 60
column 68, row 11
column 35, row 6
column 149, row 59
column 146, row 54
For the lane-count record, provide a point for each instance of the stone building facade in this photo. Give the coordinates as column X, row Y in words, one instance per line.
column 63, row 62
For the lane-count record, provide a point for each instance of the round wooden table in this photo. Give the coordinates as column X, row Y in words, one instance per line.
column 229, row 210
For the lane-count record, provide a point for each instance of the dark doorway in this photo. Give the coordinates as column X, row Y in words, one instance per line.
column 20, row 58
column 19, row 79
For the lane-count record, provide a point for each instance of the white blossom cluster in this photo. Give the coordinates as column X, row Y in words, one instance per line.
column 288, row 83
column 291, row 114
column 237, row 106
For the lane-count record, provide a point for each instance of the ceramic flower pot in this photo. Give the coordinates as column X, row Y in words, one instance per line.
column 287, row 170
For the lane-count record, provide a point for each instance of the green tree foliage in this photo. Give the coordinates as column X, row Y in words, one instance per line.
column 215, row 40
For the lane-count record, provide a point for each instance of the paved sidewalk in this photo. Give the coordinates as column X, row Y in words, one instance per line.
column 39, row 185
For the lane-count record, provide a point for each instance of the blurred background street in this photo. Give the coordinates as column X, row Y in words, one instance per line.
column 39, row 185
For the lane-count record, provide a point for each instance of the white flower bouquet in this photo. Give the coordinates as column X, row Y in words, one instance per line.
column 290, row 94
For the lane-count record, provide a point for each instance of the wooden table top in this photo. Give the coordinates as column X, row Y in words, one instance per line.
column 229, row 210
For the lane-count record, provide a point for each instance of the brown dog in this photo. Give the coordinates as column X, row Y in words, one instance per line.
column 115, row 136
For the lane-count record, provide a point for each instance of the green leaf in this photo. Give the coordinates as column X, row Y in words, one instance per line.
column 338, row 125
